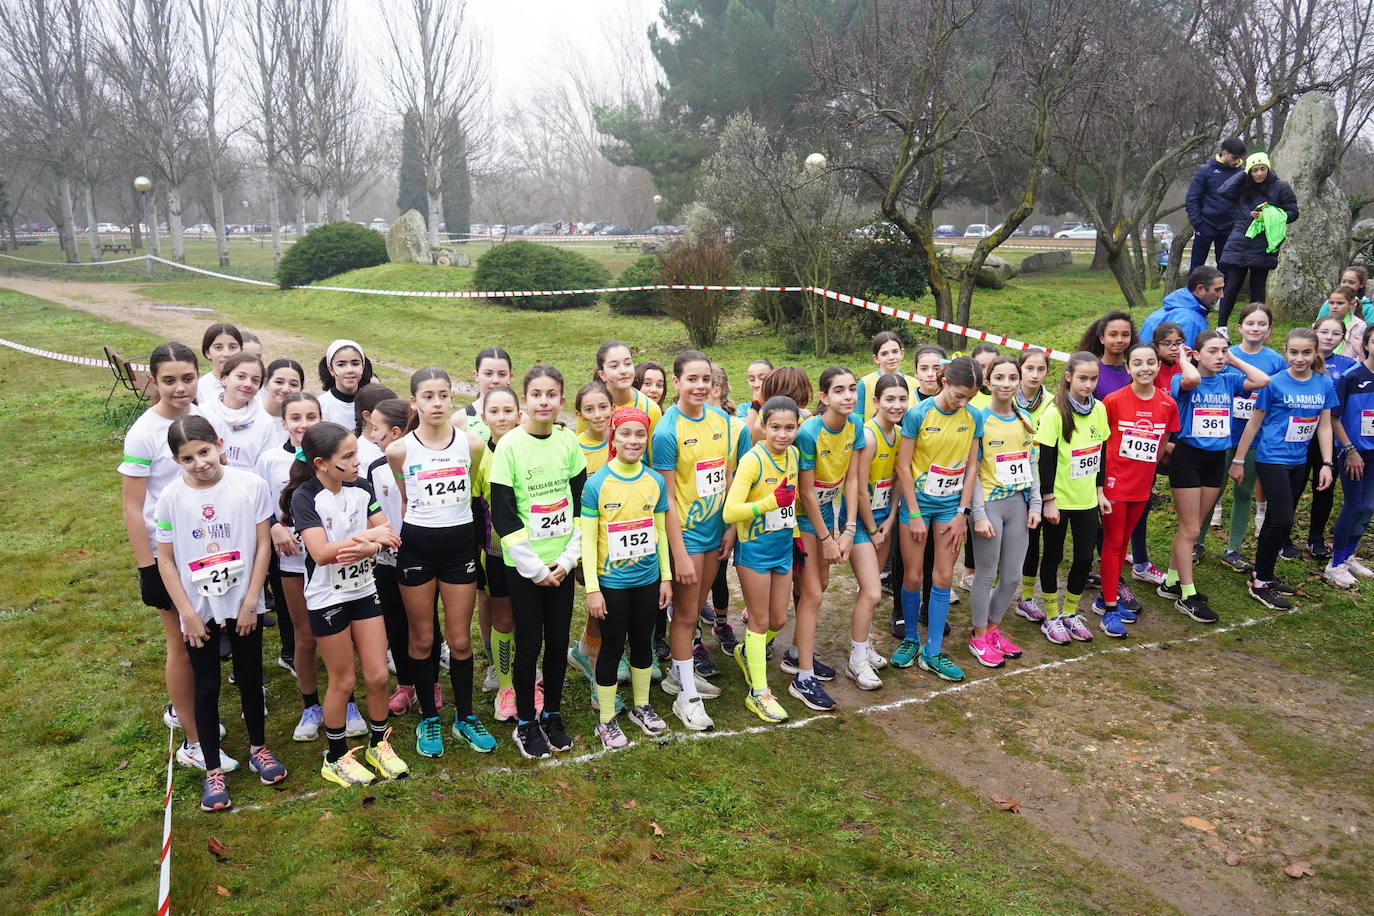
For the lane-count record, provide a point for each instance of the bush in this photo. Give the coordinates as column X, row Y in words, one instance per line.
column 524, row 265
column 329, row 250
column 706, row 262
column 644, row 272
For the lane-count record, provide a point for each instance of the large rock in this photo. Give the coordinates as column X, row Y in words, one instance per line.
column 994, row 273
column 1361, row 235
column 1315, row 252
column 408, row 239
column 451, row 257
column 1044, row 261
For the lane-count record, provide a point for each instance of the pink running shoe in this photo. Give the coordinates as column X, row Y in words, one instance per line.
column 982, row 648
column 999, row 639
column 1055, row 630
column 505, row 705
column 539, row 696
column 1078, row 627
column 1147, row 572
column 1030, row 610
column 438, row 697
column 401, row 700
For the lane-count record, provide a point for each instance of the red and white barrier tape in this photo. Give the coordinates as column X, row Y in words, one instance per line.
column 164, row 881
column 67, row 358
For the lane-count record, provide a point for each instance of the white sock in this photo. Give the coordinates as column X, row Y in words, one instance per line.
column 1261, row 507
column 686, row 676
column 858, row 652
column 803, row 674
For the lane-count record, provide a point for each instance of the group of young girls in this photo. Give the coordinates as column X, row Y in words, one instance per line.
column 361, row 512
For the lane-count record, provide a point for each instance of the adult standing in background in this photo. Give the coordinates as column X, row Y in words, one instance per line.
column 1208, row 211
column 1263, row 207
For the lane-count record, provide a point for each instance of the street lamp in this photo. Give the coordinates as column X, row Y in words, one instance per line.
column 143, row 184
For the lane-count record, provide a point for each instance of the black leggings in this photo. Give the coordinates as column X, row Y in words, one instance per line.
column 1086, row 527
column 1235, row 278
column 720, row 591
column 398, row 626
column 1031, row 565
column 543, row 617
column 629, row 611
column 898, row 575
column 247, row 661
column 284, row 626
column 1322, row 500
column 1282, row 485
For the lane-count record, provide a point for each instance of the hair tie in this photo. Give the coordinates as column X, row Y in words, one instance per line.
column 342, row 344
column 300, row 453
column 627, row 414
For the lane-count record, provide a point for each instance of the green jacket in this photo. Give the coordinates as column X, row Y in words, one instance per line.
column 1273, row 222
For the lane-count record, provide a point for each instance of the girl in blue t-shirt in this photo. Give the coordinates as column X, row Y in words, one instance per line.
column 1355, row 439
column 1330, row 333
column 1290, row 412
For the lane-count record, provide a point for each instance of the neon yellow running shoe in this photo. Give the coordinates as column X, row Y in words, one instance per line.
column 347, row 771
column 383, row 759
column 765, row 706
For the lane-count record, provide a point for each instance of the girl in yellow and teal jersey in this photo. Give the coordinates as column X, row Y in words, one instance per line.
column 1030, row 399
column 626, row 568
column 828, row 443
column 877, row 472
column 761, row 506
column 692, row 450
column 615, row 368
column 888, row 353
column 651, row 381
column 593, row 406
column 716, row 613
column 936, row 469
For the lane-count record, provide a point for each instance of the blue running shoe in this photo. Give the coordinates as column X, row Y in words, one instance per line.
column 940, row 666
column 1100, row 608
column 477, row 737
column 429, row 738
column 215, row 795
column 789, row 664
column 906, row 653
column 1125, row 598
column 1112, row 625
column 811, row 693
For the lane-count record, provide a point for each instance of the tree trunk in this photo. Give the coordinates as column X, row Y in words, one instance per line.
column 1127, row 277
column 221, row 237
column 434, row 216
column 1172, row 273
column 300, row 214
column 274, row 216
column 343, row 206
column 153, row 234
column 174, row 224
column 321, row 213
column 64, row 191
column 92, row 227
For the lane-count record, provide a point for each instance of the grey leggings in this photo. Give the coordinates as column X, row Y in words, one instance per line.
column 1005, row 550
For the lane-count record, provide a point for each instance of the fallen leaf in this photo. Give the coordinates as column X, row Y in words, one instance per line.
column 126, row 664
column 123, row 765
column 217, row 849
column 221, row 890
column 369, row 801
column 658, row 831
column 561, row 784
column 630, row 804
column 658, row 856
column 1232, row 857
column 327, row 815
column 1298, row 869
column 1007, row 803
column 1198, row 823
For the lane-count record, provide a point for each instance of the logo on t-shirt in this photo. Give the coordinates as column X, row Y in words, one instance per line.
column 207, row 512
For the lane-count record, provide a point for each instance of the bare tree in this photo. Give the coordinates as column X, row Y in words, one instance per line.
column 212, row 21
column 265, row 23
column 85, row 104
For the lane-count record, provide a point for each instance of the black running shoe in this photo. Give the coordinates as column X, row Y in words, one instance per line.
column 530, row 740
column 701, row 660
column 1172, row 592
column 1319, row 550
column 661, row 650
column 552, row 726
column 725, row 635
column 898, row 625
column 1195, row 606
column 1269, row 596
column 1290, row 551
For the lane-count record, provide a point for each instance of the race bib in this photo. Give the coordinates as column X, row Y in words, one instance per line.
column 942, row 482
column 780, row 518
column 1211, row 423
column 1014, row 469
column 882, row 495
column 1300, row 429
column 826, row 491
column 630, row 540
column 1242, row 408
column 1138, row 446
column 1367, row 424
column 550, row 521
column 215, row 574
column 710, row 477
column 1083, row 462
column 350, row 577
column 443, row 486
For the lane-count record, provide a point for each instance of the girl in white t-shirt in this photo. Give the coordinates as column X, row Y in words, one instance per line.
column 219, row 342
column 344, row 369
column 284, row 377
column 247, row 430
column 212, row 525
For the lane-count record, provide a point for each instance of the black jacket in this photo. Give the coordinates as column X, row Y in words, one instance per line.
column 1208, row 211
column 1245, row 195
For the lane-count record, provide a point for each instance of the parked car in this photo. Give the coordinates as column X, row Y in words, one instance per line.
column 1165, row 233
column 1077, row 232
column 541, row 229
column 946, row 231
column 478, row 231
column 614, row 229
column 519, row 230
column 1069, row 224
column 109, row 227
column 978, row 231
column 660, row 229
column 497, row 231
column 200, row 229
column 1041, row 231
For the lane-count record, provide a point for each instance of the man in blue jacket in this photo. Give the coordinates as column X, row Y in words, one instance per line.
column 1187, row 307
column 1210, row 213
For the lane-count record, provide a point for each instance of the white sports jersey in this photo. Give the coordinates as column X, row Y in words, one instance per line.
column 341, row 516
column 388, row 494
column 438, row 482
column 213, row 533
column 209, row 388
column 247, row 432
column 274, row 467
column 146, row 455
column 368, row 453
column 335, row 409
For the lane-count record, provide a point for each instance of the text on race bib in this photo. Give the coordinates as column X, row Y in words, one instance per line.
column 943, row 481
column 553, row 520
column 1083, row 462
column 1211, row 423
column 1367, row 424
column 629, row 540
column 882, row 495
column 780, row 518
column 1013, row 469
column 443, row 486
column 350, row 577
column 710, row 477
column 1243, row 408
column 1300, row 429
column 826, row 491
column 215, row 574
column 1139, row 446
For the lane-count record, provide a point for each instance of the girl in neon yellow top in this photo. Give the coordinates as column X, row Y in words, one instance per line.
column 888, row 353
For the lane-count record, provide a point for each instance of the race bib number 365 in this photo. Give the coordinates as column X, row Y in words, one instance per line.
column 1300, row 429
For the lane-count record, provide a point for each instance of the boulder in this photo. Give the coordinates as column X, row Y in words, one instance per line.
column 1315, row 252
column 1045, row 261
column 449, row 257
column 408, row 239
column 1361, row 238
column 994, row 273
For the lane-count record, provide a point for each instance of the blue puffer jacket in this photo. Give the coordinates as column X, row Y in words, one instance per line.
column 1182, row 308
column 1245, row 195
column 1208, row 211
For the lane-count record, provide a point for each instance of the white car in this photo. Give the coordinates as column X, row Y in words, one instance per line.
column 978, row 231
column 200, row 229
column 1077, row 232
column 109, row 227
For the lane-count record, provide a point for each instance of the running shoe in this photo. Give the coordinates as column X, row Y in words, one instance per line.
column 214, row 796
column 611, row 736
column 1078, row 627
column 383, row 758
column 1172, row 592
column 655, row 671
column 443, row 655
column 985, row 650
column 725, row 635
column 1056, row 631
column 940, row 666
column 742, row 662
column 1319, row 550
column 390, row 661
column 490, row 681
column 287, row 663
column 596, row 701
column 708, row 612
column 347, row 771
column 475, row 734
column 1126, row 599
column 1339, row 576
column 1028, row 609
column 966, row 581
column 789, row 664
column 1094, row 580
column 552, row 725
column 648, row 720
column 354, row 726
column 401, row 700
column 811, row 693
column 504, row 705
column 701, row 661
column 622, row 671
column 190, row 755
column 1233, row 560
column 1199, row 551
column 308, row 728
column 1225, row 333
column 875, row 658
column 953, row 599
column 429, row 737
column 530, row 741
column 1004, row 645
column 1290, row 551
column 1195, row 606
column 898, row 625
column 1100, row 609
column 580, row 662
column 863, row 675
column 1357, row 567
column 661, row 650
column 705, row 688
column 1111, row 625
column 1267, row 595
column 765, row 706
column 906, row 653
column 692, row 713
column 1147, row 572
column 1283, row 588
column 269, row 769
column 438, row 697
column 169, row 719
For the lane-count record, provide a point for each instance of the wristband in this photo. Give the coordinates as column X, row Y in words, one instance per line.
column 1239, row 461
column 824, row 539
column 1329, row 464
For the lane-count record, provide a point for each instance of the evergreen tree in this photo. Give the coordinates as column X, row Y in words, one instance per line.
column 410, row 194
column 457, row 204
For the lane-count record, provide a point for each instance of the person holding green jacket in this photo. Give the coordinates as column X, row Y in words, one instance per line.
column 1256, row 195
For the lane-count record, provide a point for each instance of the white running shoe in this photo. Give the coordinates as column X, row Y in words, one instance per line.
column 489, row 682
column 308, row 728
column 190, row 755
column 1216, row 515
column 354, row 725
column 1339, row 576
column 169, row 718
column 692, row 713
column 705, row 688
column 390, row 662
column 443, row 656
column 879, row 662
column 863, row 675
column 1354, row 565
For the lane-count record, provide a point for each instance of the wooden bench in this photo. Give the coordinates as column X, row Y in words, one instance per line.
column 623, row 246
column 115, row 248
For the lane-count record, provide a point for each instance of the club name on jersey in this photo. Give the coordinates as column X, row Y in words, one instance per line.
column 1314, row 401
column 219, row 531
